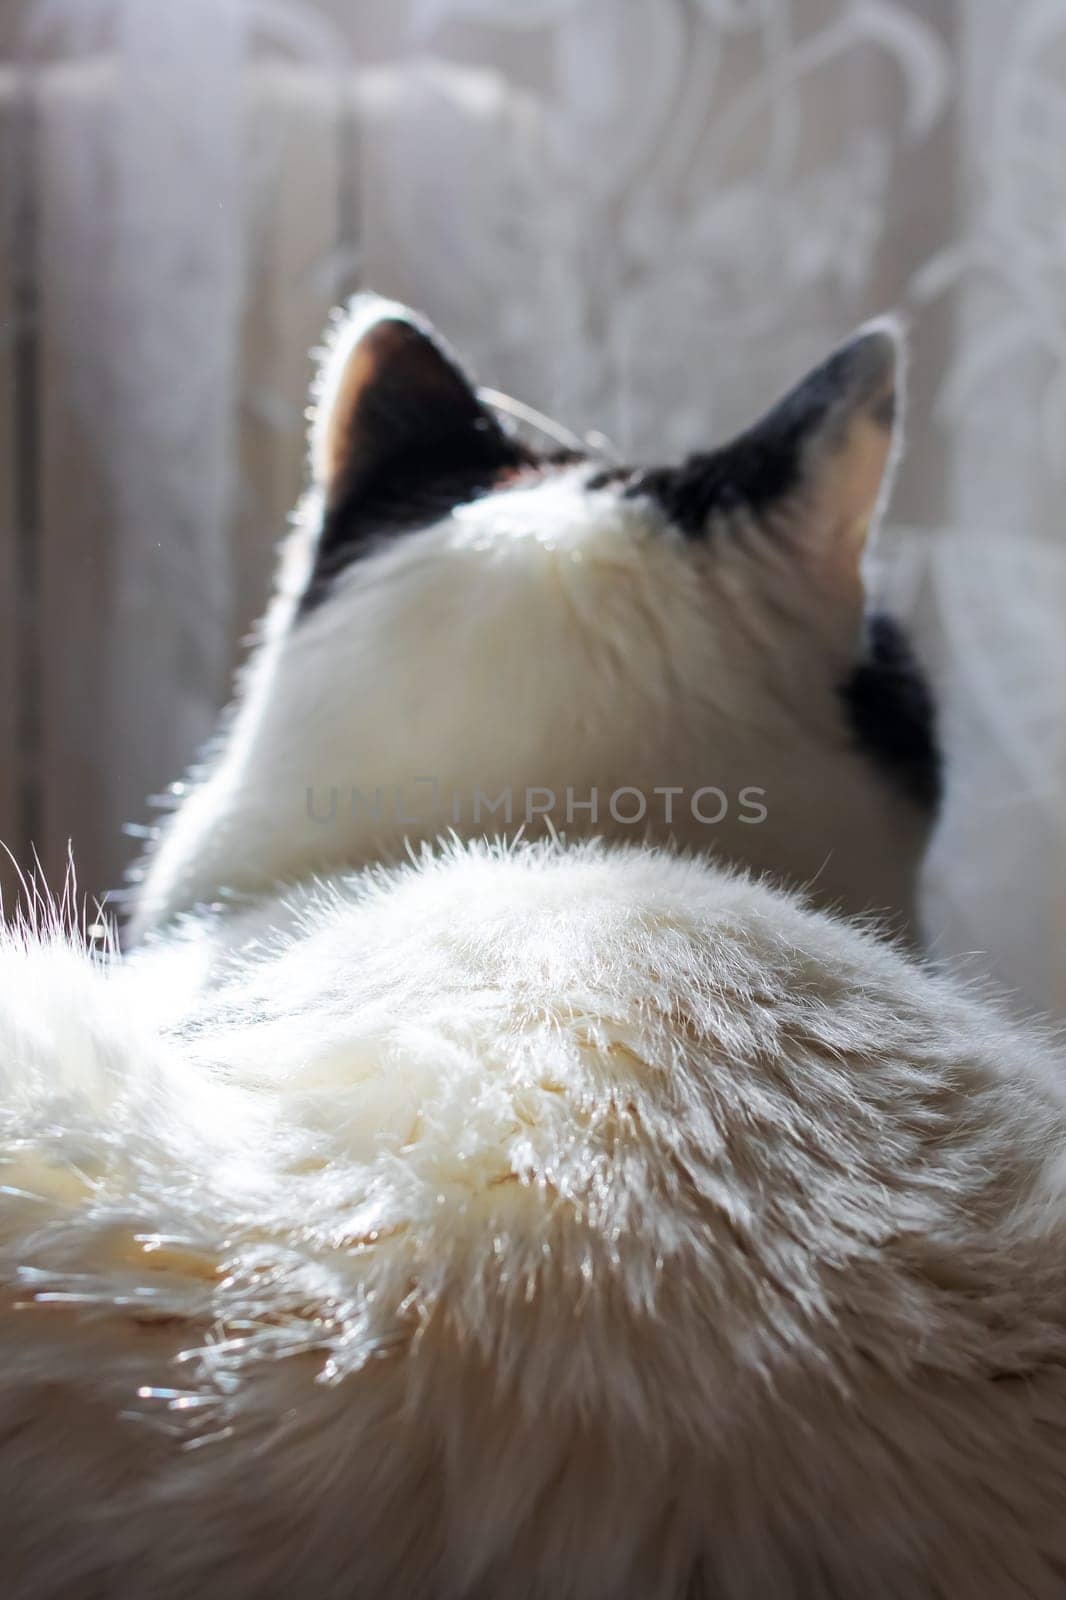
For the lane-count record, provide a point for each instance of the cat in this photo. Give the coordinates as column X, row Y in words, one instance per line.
column 457, row 618
column 616, row 1212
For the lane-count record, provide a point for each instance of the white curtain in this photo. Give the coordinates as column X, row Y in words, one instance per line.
column 645, row 216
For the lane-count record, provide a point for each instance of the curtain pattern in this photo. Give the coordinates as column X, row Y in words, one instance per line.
column 644, row 216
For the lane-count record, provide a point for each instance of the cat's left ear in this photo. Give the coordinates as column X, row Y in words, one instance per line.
column 818, row 466
column 391, row 394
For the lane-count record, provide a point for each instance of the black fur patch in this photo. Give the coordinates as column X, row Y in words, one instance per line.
column 766, row 462
column 410, row 494
column 414, row 493
column 891, row 712
column 753, row 471
column 613, row 476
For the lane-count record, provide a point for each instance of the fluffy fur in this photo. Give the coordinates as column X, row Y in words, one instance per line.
column 530, row 1224
column 534, row 1221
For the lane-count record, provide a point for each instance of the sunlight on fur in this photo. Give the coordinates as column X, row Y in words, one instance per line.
column 559, row 1218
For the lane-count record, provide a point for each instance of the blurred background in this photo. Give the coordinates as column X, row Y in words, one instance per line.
column 643, row 216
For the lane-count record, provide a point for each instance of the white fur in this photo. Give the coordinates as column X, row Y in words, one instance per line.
column 538, row 1223
column 548, row 637
column 533, row 1222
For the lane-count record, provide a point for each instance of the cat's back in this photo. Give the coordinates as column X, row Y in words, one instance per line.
column 615, row 1222
column 708, row 1213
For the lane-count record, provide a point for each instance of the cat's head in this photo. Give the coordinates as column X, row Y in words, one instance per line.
column 472, row 636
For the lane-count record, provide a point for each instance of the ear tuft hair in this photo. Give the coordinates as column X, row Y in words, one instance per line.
column 399, row 436
column 847, row 417
column 823, row 456
column 388, row 388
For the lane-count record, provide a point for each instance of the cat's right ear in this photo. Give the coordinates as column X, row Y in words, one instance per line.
column 817, row 468
column 391, row 395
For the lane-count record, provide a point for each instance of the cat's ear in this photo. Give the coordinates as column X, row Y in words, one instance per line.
column 818, row 465
column 390, row 393
column 847, row 419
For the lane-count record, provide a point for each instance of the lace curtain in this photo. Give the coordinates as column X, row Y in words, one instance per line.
column 644, row 216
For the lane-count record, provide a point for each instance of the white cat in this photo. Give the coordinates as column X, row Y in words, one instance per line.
column 546, row 1221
